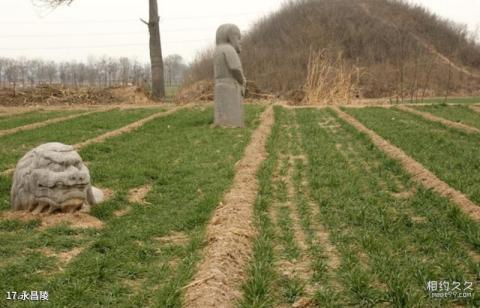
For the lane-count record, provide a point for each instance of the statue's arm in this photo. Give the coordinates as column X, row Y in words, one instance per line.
column 239, row 76
column 235, row 66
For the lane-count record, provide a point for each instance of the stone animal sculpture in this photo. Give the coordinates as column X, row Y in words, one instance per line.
column 230, row 81
column 53, row 178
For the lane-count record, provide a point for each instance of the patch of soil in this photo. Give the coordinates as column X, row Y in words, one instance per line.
column 419, row 219
column 138, row 195
column 74, row 220
column 303, row 303
column 107, row 193
column 8, row 172
column 64, row 257
column 418, row 172
column 405, row 194
column 122, row 212
column 475, row 108
column 230, row 231
column 323, row 238
column 474, row 255
column 445, row 122
column 40, row 124
column 174, row 238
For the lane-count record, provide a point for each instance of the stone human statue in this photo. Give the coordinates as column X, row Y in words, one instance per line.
column 230, row 81
column 53, row 178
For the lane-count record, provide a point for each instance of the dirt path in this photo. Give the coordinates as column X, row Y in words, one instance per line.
column 11, row 131
column 230, row 232
column 475, row 108
column 445, row 122
column 444, row 58
column 422, row 42
column 8, row 113
column 418, row 172
column 130, row 127
column 366, row 103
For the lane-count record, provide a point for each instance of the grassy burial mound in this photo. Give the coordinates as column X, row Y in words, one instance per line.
column 319, row 50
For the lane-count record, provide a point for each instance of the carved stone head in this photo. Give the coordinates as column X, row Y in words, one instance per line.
column 229, row 34
column 52, row 178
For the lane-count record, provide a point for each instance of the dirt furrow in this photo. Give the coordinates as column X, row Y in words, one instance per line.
column 418, row 172
column 126, row 129
column 230, row 232
column 300, row 267
column 475, row 108
column 8, row 113
column 297, row 229
column 434, row 118
column 321, row 235
column 11, row 131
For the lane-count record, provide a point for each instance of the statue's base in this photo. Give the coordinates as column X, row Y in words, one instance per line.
column 229, row 109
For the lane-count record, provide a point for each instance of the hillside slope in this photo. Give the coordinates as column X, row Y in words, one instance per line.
column 387, row 48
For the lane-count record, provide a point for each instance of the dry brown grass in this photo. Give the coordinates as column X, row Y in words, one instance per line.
column 329, row 80
column 413, row 55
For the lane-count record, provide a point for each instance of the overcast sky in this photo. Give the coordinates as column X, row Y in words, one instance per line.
column 112, row 27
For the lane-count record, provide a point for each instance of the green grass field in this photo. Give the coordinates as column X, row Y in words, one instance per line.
column 459, row 114
column 189, row 165
column 32, row 117
column 392, row 236
column 339, row 223
column 70, row 132
column 449, row 153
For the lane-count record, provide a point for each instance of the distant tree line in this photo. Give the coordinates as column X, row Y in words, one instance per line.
column 95, row 72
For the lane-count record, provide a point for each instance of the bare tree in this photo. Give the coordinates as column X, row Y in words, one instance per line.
column 51, row 71
column 2, row 68
column 174, row 69
column 156, row 58
column 125, row 68
column 11, row 74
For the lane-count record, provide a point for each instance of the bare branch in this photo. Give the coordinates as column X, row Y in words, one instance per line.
column 52, row 3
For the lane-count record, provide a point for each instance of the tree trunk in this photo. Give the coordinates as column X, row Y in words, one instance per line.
column 156, row 58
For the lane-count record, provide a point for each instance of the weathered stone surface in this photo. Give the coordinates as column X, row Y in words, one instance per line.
column 229, row 78
column 53, row 178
